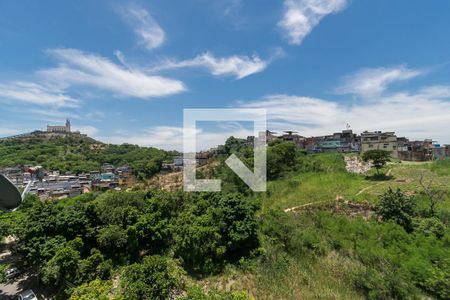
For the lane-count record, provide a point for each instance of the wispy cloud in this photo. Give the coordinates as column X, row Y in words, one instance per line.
column 164, row 137
column 417, row 115
column 91, row 131
column 8, row 131
column 85, row 69
column 372, row 82
column 149, row 32
column 235, row 65
column 171, row 137
column 51, row 115
column 301, row 16
column 34, row 93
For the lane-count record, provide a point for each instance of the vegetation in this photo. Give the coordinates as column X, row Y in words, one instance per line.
column 81, row 155
column 3, row 269
column 441, row 166
column 379, row 158
column 300, row 239
column 397, row 207
column 155, row 278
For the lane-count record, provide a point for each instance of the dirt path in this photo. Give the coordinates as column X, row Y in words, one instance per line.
column 303, row 206
column 294, row 208
column 373, row 185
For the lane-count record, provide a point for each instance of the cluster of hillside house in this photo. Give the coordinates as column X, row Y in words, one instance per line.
column 347, row 141
column 57, row 185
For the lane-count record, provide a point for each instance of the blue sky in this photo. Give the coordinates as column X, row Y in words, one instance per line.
column 124, row 71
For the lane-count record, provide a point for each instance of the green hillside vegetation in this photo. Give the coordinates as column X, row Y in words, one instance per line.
column 441, row 166
column 76, row 155
column 346, row 236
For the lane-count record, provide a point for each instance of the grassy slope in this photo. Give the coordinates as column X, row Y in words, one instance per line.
column 302, row 188
column 324, row 277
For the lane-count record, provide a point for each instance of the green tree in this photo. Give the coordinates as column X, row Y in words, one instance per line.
column 95, row 289
column 213, row 229
column 62, row 266
column 112, row 237
column 119, row 208
column 281, row 157
column 156, row 277
column 396, row 206
column 379, row 158
column 94, row 266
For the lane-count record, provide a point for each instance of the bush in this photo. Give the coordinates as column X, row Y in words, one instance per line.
column 95, row 289
column 429, row 226
column 396, row 206
column 156, row 277
column 388, row 284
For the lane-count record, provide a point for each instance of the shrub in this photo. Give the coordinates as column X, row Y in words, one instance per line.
column 95, row 289
column 396, row 206
column 389, row 284
column 156, row 277
column 430, row 226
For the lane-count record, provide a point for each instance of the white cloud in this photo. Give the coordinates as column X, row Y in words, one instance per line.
column 171, row 137
column 91, row 131
column 301, row 16
column 8, row 131
column 144, row 26
column 121, row 58
column 52, row 116
column 436, row 91
column 417, row 116
column 164, row 137
column 372, row 82
column 80, row 68
column 35, row 93
column 235, row 65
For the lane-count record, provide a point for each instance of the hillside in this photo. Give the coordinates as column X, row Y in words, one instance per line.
column 47, row 136
column 322, row 237
column 76, row 153
column 319, row 232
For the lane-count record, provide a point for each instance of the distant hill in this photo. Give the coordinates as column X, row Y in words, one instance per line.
column 75, row 152
column 44, row 135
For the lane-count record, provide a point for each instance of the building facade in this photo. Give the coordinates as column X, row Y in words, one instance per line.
column 378, row 140
column 60, row 129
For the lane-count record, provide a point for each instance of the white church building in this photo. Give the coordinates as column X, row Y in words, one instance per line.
column 62, row 129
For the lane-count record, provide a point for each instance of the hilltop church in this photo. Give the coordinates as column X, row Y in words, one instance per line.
column 60, row 129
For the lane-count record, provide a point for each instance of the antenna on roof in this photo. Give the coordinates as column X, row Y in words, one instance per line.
column 348, row 126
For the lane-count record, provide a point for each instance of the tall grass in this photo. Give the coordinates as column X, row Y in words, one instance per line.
column 441, row 166
column 330, row 181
